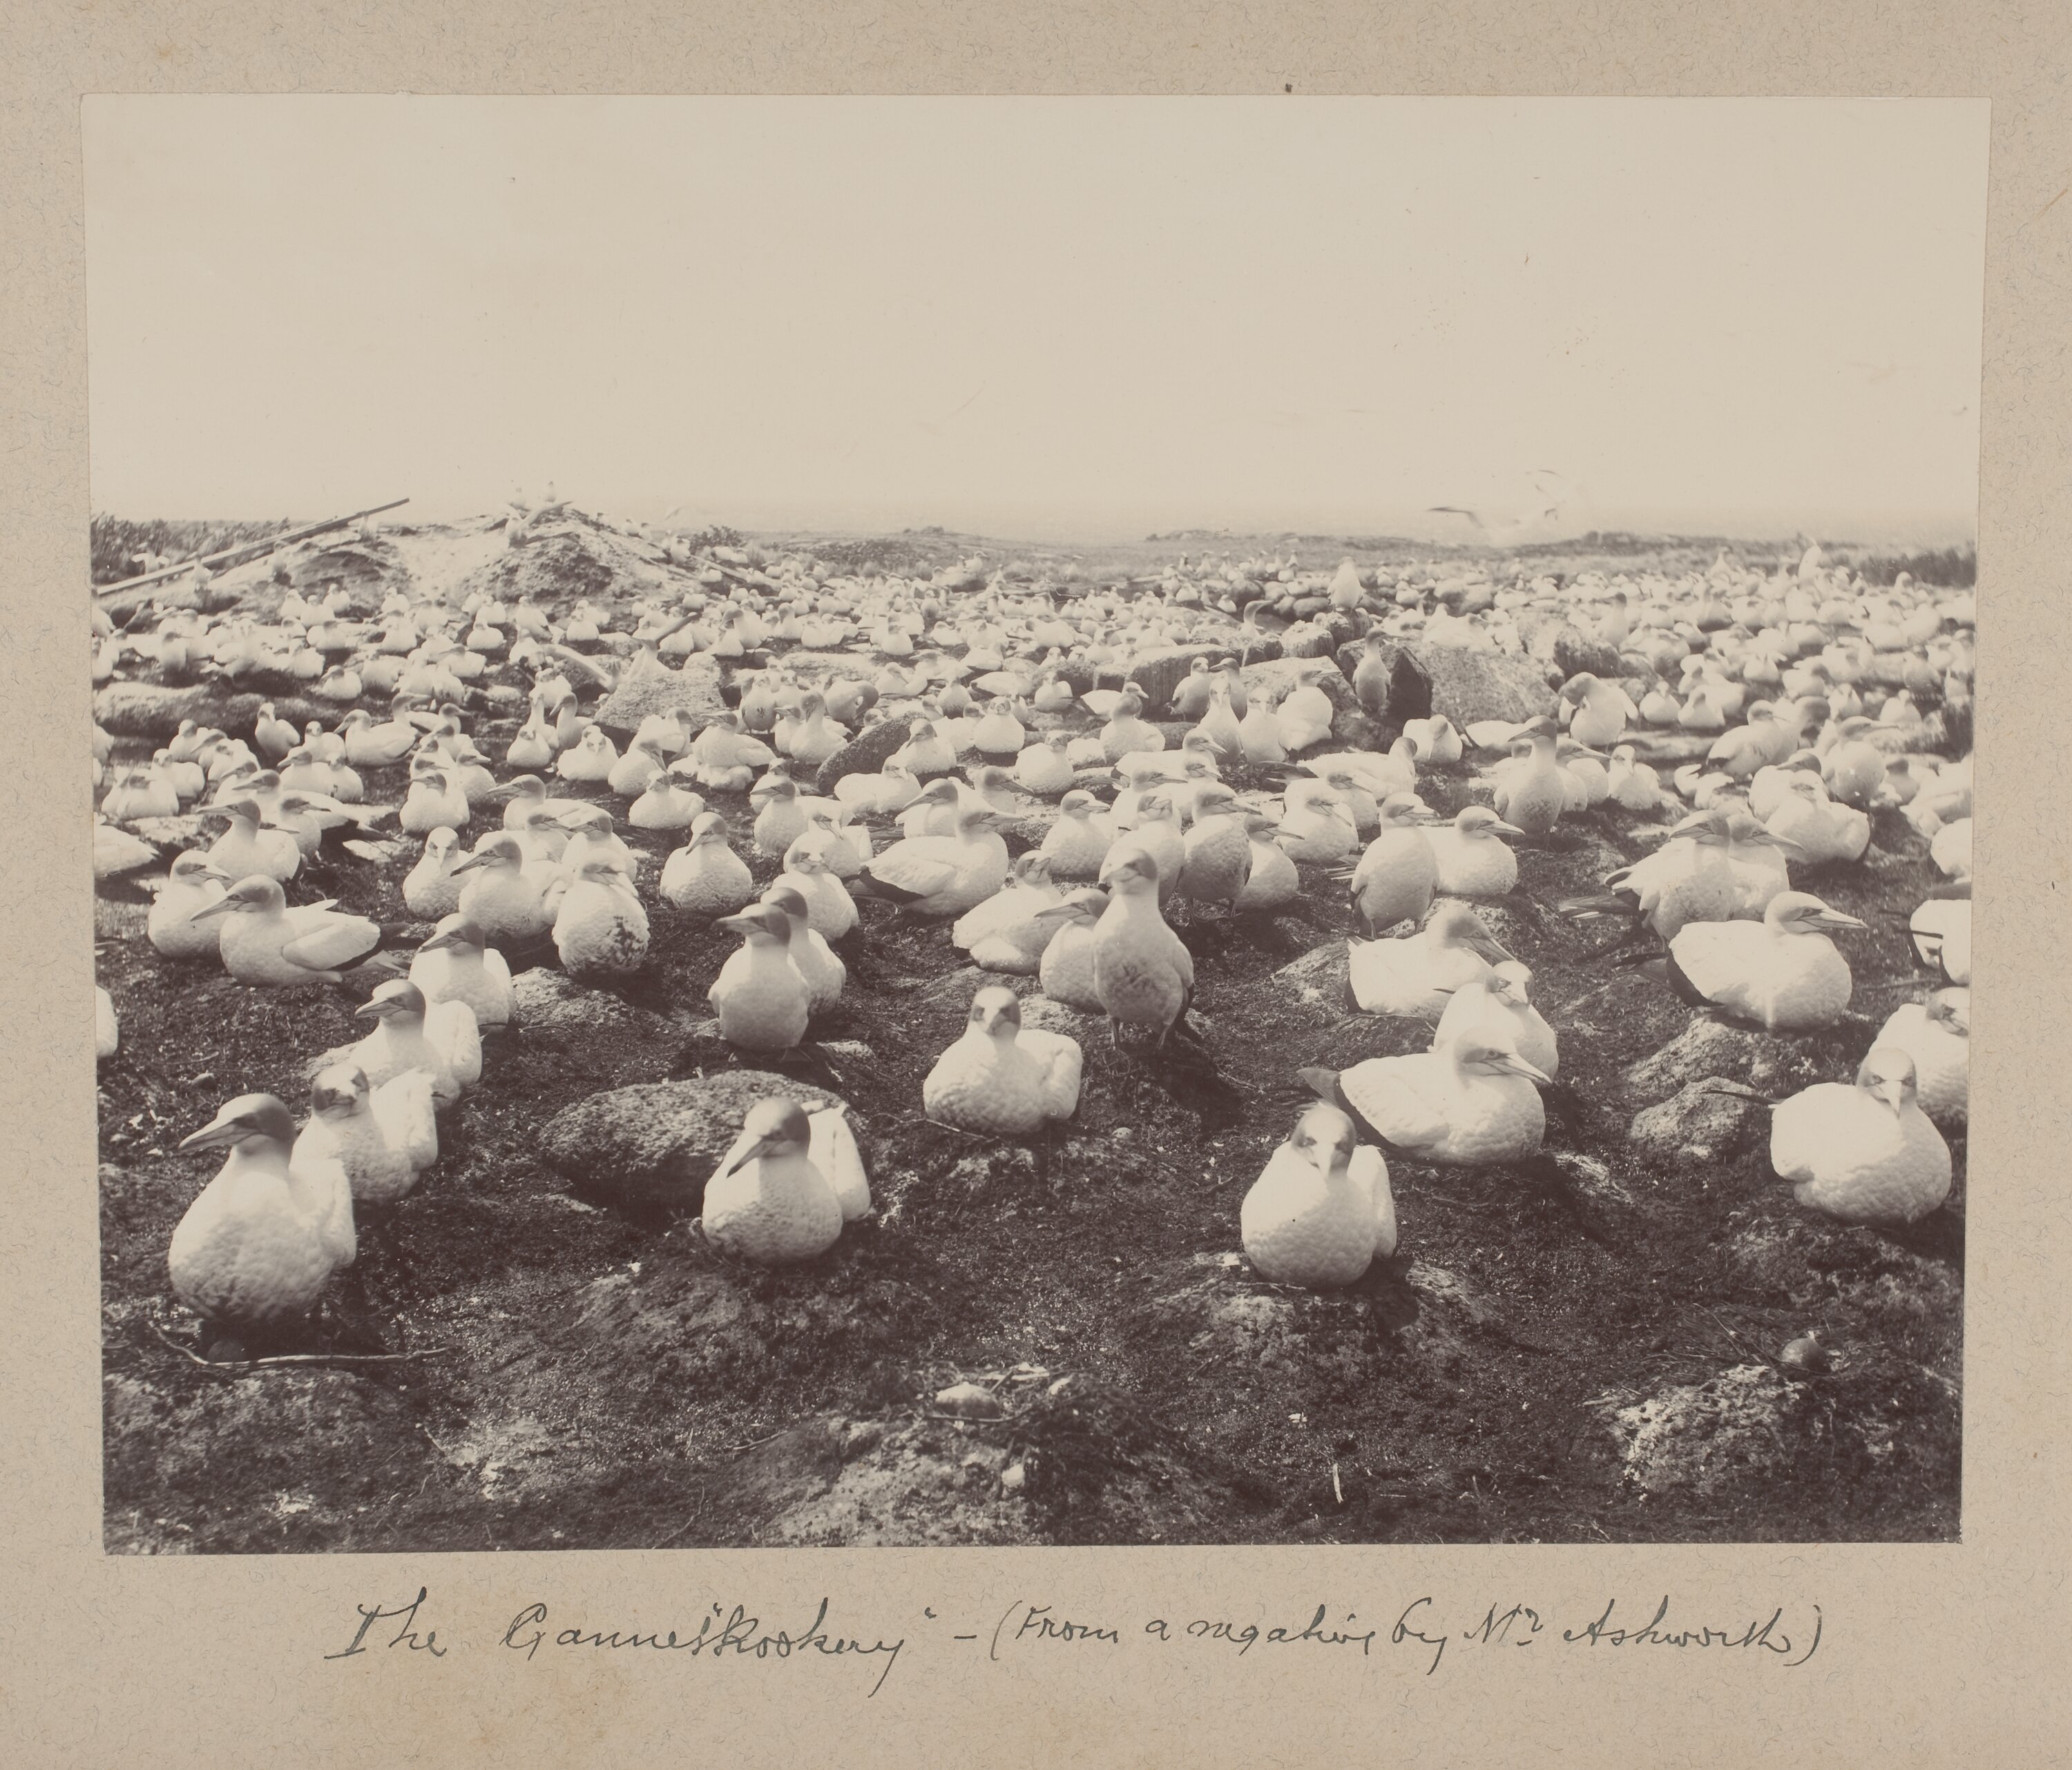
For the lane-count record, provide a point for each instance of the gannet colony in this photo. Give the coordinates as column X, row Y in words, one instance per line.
column 614, row 1037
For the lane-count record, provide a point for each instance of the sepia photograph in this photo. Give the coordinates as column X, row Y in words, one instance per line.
column 924, row 822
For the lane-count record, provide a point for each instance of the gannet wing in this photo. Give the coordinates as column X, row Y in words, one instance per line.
column 918, row 874
column 452, row 1029
column 336, row 941
column 403, row 1108
column 1719, row 958
column 1398, row 1098
column 1063, row 1063
column 833, row 1151
column 1370, row 1173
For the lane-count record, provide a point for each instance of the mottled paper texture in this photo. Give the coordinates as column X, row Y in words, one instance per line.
column 1926, row 1654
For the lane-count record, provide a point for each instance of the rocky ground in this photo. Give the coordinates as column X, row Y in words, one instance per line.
column 1057, row 1342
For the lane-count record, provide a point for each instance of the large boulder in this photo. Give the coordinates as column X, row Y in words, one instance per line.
column 647, row 686
column 1158, row 671
column 1466, row 685
column 652, row 1147
column 152, row 710
column 866, row 754
column 1697, row 1128
column 1709, row 1049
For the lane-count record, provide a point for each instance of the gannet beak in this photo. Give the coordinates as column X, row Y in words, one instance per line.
column 220, row 907
column 213, row 1136
column 1834, row 919
column 1505, row 829
column 371, row 1011
column 1517, row 1065
column 1893, row 1093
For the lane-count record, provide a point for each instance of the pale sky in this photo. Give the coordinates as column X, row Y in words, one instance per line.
column 1055, row 319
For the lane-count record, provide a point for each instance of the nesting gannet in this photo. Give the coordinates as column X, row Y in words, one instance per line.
column 410, row 1033
column 942, row 875
column 258, row 1245
column 383, row 1139
column 1143, row 973
column 816, row 962
column 457, row 964
column 1065, row 973
column 830, row 911
column 246, row 848
column 1413, row 977
column 1467, row 1103
column 192, row 884
column 1600, row 710
column 1272, row 879
column 1496, row 1010
column 1079, row 841
column 1784, row 974
column 1322, row 1212
column 600, row 926
column 1470, row 858
column 506, row 897
column 1936, row 1034
column 1864, row 1153
column 1399, row 871
column 1531, row 792
column 1305, row 716
column 265, row 942
column 768, row 1200
column 705, row 876
column 999, row 1079
column 760, row 996
column 371, row 746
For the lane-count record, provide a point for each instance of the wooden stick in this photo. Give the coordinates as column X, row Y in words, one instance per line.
column 254, row 547
column 284, row 1359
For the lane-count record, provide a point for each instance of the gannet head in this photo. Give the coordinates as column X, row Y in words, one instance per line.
column 257, row 893
column 1479, row 820
column 1497, row 1059
column 1887, row 1072
column 1326, row 1135
column 339, row 1090
column 1129, row 870
column 190, row 864
column 786, row 899
column 1801, row 912
column 456, row 934
column 1508, row 983
column 1455, row 924
column 398, row 999
column 498, row 850
column 586, row 820
column 249, row 1118
column 996, row 1010
column 758, row 922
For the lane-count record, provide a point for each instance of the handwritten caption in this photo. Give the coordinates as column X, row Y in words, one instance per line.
column 1418, row 1632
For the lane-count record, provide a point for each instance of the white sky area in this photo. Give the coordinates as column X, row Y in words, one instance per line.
column 1043, row 319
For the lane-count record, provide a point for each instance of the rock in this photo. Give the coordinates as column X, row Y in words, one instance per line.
column 654, row 1144
column 968, row 1401
column 1576, row 652
column 546, row 1000
column 1709, row 1048
column 1695, row 1127
column 1739, row 1427
column 1805, row 1354
column 1669, row 749
column 151, row 710
column 1317, row 980
column 1467, row 686
column 649, row 686
column 1049, row 1016
column 1158, row 672
column 866, row 754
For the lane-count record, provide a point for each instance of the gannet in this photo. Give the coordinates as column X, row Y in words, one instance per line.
column 458, row 965
column 768, row 1200
column 1158, row 831
column 926, row 753
column 942, row 875
column 1260, row 732
column 1496, row 1010
column 505, row 899
column 140, row 792
column 245, row 847
column 1398, row 872
column 1026, row 889
column 1940, row 931
column 1785, row 974
column 637, row 769
column 1689, row 879
column 815, row 961
column 382, row 1139
column 434, row 801
column 1066, row 972
column 1413, row 977
column 410, row 1033
column 705, row 876
column 1470, row 858
column 1315, row 825
column 1272, row 879
column 1044, row 769
column 1635, row 785
column 255, row 1248
column 590, row 759
column 760, row 997
column 1127, row 730
column 999, row 1079
column 265, row 942
column 107, row 1031
column 830, row 910
column 1322, row 1212
column 890, row 790
column 1144, row 974
column 1434, row 741
column 1531, row 792
column 1303, row 718
column 591, row 837
column 370, row 746
column 1936, row 1034
column 1601, row 710
column 1865, row 1153
column 193, row 884
column 1817, row 829
column 1079, row 841
column 1216, row 858
column 600, row 926
column 1467, row 1103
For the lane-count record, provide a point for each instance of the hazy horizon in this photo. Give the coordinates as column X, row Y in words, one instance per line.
column 1045, row 319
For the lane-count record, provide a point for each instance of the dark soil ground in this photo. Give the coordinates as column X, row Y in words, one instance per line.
column 1543, row 1360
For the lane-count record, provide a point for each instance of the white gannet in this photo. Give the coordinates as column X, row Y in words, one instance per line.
column 1399, row 871
column 1144, row 974
column 768, row 1200
column 816, row 962
column 705, row 876
column 1272, row 879
column 1412, row 978
column 1784, row 974
column 505, row 899
column 265, row 942
column 1936, row 1034
column 1470, row 859
column 1467, row 1103
column 255, row 1249
column 192, row 884
column 942, row 875
column 431, row 888
column 457, row 964
column 246, row 848
column 600, row 926
column 1496, row 1010
column 410, row 1033
column 1079, row 841
column 1864, row 1153
column 830, row 911
column 1322, row 1212
column 1001, row 1079
column 383, row 1139
column 760, row 997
